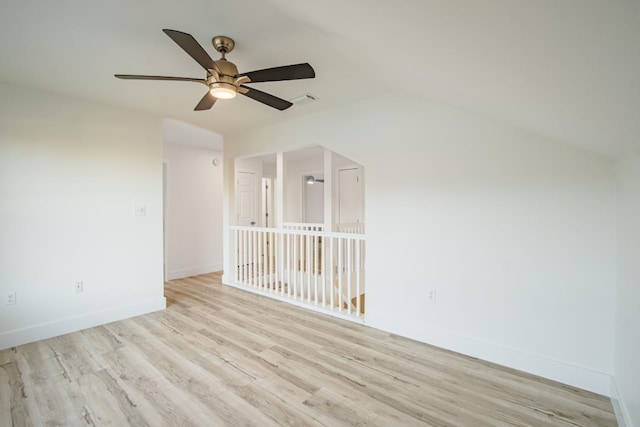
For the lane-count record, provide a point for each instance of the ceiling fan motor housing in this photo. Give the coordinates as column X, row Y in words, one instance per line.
column 227, row 69
column 226, row 79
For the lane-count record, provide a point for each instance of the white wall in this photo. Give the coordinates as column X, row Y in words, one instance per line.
column 193, row 221
column 515, row 232
column 71, row 173
column 269, row 170
column 627, row 348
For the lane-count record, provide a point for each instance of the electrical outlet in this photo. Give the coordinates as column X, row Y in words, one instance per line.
column 432, row 295
column 79, row 287
column 10, row 298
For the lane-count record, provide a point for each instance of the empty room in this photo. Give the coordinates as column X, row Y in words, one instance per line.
column 320, row 213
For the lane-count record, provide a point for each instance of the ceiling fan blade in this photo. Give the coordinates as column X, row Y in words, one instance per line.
column 265, row 98
column 206, row 102
column 137, row 77
column 193, row 48
column 286, row 72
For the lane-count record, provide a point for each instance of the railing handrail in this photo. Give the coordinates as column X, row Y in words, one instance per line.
column 333, row 234
column 303, row 224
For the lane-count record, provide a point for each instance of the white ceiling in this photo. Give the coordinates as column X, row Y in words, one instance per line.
column 568, row 69
column 181, row 133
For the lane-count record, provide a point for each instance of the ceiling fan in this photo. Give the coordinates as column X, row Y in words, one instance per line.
column 223, row 79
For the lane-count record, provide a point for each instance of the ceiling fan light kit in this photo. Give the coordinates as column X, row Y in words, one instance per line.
column 222, row 90
column 222, row 78
column 303, row 99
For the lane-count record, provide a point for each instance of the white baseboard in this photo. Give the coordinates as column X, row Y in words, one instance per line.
column 195, row 271
column 622, row 415
column 291, row 301
column 577, row 376
column 77, row 323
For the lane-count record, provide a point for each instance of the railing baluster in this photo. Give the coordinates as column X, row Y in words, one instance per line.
column 323, row 268
column 301, row 265
column 358, row 293
column 252, row 248
column 268, row 263
column 249, row 256
column 238, row 259
column 245, row 252
column 315, row 268
column 279, row 264
column 245, row 256
column 289, row 254
column 258, row 259
column 294, row 267
column 272, row 261
column 331, row 271
column 254, row 259
column 306, row 261
column 270, row 248
column 349, row 274
column 235, row 262
column 308, row 266
column 264, row 259
column 340, row 299
column 267, row 260
column 267, row 272
column 269, row 266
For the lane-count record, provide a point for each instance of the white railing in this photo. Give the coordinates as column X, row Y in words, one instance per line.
column 314, row 268
column 356, row 227
column 303, row 226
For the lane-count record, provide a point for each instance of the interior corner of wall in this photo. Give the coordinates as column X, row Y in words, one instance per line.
column 617, row 400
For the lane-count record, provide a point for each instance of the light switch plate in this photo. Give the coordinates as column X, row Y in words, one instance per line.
column 140, row 210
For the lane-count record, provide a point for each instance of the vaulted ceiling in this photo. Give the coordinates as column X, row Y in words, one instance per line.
column 567, row 69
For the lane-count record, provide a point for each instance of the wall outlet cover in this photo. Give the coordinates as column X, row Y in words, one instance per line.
column 10, row 298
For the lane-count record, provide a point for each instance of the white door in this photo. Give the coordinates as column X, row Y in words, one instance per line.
column 350, row 207
column 246, row 193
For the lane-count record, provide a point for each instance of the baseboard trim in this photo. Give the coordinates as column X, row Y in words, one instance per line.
column 622, row 415
column 577, row 376
column 359, row 320
column 194, row 271
column 73, row 324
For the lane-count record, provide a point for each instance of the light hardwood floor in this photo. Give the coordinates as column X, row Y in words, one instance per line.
column 220, row 356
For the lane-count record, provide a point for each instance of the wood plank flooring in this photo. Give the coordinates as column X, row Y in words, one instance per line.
column 220, row 356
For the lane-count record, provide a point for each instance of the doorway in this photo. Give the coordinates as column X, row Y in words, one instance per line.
column 246, row 199
column 313, row 199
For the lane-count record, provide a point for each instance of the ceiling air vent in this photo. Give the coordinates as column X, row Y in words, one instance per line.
column 303, row 99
